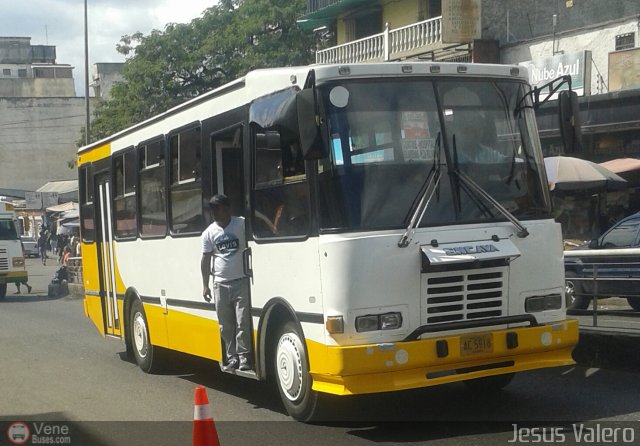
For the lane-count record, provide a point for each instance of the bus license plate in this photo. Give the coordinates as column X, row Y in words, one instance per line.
column 472, row 345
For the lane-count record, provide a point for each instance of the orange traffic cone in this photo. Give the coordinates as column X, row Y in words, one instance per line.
column 204, row 430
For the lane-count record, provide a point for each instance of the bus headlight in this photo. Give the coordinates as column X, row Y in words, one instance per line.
column 373, row 322
column 18, row 262
column 536, row 304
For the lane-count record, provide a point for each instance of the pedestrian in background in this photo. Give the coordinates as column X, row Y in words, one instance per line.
column 42, row 247
column 54, row 244
column 25, row 284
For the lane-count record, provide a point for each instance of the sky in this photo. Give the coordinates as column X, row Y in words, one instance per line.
column 61, row 23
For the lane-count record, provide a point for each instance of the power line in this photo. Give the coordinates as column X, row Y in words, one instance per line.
column 40, row 120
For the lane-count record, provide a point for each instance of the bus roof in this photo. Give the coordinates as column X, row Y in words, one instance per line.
column 262, row 82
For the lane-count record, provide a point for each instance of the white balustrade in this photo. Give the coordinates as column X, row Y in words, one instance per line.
column 388, row 45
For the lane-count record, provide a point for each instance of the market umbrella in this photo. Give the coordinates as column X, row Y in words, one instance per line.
column 622, row 165
column 570, row 174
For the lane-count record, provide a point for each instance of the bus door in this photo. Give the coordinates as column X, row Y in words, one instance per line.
column 226, row 147
column 106, row 261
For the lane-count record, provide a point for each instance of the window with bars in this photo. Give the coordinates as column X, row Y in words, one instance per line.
column 625, row 41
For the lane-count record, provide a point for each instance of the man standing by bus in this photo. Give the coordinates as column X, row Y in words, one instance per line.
column 224, row 240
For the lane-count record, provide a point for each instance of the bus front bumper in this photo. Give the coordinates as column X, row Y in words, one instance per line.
column 13, row 277
column 427, row 362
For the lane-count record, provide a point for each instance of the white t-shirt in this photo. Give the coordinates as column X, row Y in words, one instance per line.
column 227, row 245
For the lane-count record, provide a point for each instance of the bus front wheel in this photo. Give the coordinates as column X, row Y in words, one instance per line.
column 291, row 368
column 143, row 350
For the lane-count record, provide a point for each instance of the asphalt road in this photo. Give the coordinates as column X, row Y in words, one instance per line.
column 57, row 368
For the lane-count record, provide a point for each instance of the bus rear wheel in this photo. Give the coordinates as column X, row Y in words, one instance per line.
column 143, row 350
column 291, row 369
column 3, row 290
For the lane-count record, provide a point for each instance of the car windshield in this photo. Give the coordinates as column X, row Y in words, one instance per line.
column 8, row 230
column 382, row 137
column 622, row 235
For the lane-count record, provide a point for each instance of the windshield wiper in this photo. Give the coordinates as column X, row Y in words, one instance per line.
column 477, row 189
column 431, row 184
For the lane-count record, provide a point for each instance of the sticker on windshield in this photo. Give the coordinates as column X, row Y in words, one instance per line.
column 339, row 96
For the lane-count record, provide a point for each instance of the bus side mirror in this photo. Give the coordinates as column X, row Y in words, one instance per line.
column 308, row 125
column 570, row 126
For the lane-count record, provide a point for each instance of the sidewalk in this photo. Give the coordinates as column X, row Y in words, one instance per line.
column 39, row 278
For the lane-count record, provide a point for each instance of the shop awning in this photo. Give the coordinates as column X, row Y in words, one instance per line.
column 326, row 11
column 61, row 187
column 64, row 207
column 622, row 165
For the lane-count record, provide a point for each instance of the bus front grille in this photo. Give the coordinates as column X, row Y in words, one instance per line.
column 4, row 260
column 464, row 295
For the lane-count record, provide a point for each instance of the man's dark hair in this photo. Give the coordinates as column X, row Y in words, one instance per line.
column 219, row 200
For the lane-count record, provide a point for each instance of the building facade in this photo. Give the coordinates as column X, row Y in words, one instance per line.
column 104, row 76
column 31, row 70
column 40, row 116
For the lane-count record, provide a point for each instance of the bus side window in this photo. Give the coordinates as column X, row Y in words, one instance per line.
column 87, row 218
column 124, row 196
column 281, row 193
column 153, row 213
column 185, row 189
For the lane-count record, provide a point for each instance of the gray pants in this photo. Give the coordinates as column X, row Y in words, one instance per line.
column 232, row 306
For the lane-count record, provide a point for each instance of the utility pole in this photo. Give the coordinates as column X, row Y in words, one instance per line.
column 86, row 74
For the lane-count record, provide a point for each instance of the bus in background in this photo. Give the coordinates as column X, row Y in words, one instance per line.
column 398, row 223
column 12, row 265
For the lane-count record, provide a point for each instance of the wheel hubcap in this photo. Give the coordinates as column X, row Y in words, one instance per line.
column 140, row 334
column 289, row 365
column 570, row 291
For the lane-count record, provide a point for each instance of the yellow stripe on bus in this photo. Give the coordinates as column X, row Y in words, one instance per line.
column 95, row 154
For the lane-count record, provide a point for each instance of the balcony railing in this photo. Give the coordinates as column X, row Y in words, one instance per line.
column 389, row 45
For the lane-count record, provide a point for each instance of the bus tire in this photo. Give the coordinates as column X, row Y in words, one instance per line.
column 143, row 350
column 291, row 370
column 489, row 384
column 3, row 290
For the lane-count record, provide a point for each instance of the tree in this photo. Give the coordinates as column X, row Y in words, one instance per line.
column 166, row 68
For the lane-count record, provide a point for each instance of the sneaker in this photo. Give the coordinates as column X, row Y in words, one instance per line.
column 29, row 289
column 232, row 364
column 245, row 364
column 17, row 292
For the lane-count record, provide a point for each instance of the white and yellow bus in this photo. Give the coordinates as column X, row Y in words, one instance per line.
column 390, row 244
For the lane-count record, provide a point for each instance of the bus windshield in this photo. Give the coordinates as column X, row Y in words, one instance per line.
column 8, row 230
column 385, row 136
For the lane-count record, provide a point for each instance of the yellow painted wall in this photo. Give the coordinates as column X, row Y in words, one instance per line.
column 400, row 13
column 341, row 31
column 397, row 13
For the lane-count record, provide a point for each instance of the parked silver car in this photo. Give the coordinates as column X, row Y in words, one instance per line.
column 29, row 246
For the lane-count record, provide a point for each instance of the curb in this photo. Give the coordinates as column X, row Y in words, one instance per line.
column 76, row 291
